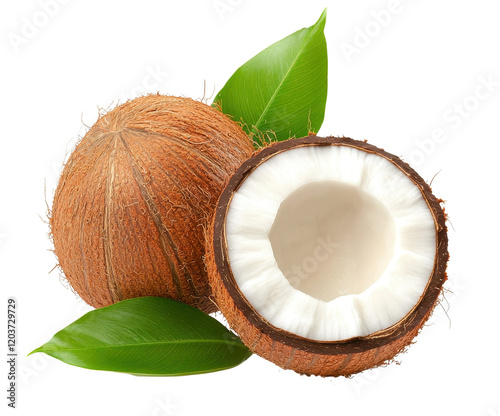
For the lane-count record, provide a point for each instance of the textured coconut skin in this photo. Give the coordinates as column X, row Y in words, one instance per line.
column 135, row 196
column 305, row 356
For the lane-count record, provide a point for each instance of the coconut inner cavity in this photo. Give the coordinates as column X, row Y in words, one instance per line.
column 330, row 242
column 332, row 239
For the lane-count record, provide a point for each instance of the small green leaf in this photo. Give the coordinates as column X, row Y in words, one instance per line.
column 281, row 92
column 148, row 336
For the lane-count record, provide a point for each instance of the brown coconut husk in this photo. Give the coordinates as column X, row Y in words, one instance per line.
column 289, row 351
column 133, row 200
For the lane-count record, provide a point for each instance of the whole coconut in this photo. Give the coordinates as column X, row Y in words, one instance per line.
column 134, row 198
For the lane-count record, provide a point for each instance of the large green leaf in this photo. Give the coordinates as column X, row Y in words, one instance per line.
column 281, row 92
column 148, row 336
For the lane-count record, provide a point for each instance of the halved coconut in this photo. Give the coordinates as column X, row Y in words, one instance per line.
column 327, row 255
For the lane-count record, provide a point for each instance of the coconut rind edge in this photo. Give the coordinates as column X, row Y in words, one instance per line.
column 307, row 356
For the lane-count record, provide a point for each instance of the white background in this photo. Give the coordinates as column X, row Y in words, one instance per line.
column 401, row 75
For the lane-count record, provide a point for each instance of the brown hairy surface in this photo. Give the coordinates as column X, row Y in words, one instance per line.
column 134, row 197
column 324, row 358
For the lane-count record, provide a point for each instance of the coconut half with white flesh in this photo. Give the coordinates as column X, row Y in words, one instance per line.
column 327, row 255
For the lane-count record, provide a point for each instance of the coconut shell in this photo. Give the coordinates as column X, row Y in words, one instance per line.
column 135, row 196
column 287, row 350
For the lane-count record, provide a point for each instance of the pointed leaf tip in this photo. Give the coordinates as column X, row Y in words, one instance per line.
column 322, row 19
column 147, row 336
column 281, row 92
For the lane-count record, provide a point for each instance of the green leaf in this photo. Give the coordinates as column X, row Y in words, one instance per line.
column 281, row 92
column 148, row 336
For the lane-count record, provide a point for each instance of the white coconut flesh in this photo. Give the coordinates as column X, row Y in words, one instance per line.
column 330, row 242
